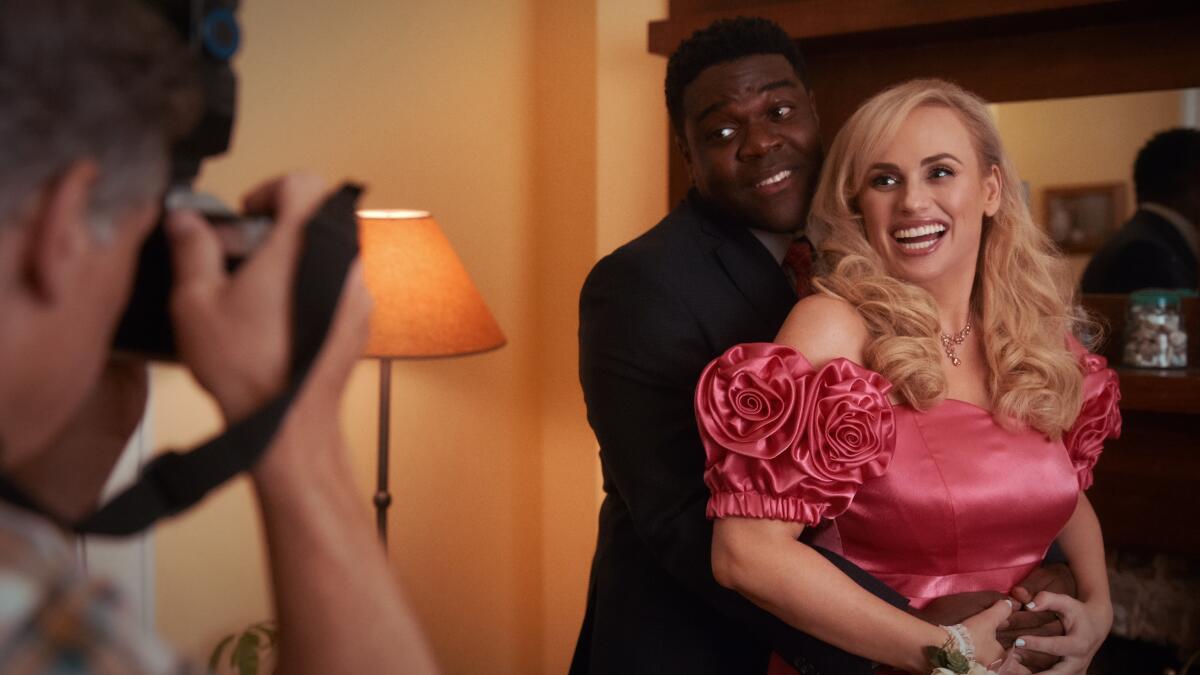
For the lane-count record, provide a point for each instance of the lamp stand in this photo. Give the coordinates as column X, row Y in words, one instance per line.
column 383, row 499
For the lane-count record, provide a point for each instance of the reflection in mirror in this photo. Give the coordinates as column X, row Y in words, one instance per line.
column 1076, row 158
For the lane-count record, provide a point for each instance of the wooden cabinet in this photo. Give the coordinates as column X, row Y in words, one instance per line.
column 1147, row 489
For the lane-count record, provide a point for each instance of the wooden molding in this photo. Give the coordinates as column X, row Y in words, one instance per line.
column 807, row 19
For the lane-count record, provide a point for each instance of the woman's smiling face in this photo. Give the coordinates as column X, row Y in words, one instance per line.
column 924, row 198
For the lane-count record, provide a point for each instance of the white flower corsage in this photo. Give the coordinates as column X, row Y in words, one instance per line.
column 957, row 655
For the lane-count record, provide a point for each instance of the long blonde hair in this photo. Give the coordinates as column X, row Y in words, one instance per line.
column 1020, row 293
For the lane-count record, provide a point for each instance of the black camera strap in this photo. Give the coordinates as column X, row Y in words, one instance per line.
column 174, row 481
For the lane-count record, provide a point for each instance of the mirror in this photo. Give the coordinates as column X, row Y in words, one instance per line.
column 1076, row 155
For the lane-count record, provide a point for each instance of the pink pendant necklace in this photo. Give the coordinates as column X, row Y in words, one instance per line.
column 950, row 343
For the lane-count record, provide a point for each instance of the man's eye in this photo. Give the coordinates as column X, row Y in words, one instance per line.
column 721, row 134
column 883, row 180
column 782, row 111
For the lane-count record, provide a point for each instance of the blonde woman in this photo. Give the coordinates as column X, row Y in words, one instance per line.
column 927, row 412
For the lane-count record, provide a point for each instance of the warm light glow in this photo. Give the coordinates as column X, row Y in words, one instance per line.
column 383, row 214
column 425, row 302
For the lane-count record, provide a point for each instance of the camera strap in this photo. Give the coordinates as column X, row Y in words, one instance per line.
column 175, row 481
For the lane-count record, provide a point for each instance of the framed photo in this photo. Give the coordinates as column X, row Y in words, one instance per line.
column 1080, row 218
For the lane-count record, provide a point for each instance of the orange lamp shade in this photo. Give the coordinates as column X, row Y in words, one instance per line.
column 425, row 304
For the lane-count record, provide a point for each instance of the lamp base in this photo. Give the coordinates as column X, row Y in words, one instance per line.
column 383, row 499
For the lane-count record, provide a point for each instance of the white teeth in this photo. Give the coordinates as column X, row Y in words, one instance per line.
column 921, row 231
column 773, row 179
column 918, row 246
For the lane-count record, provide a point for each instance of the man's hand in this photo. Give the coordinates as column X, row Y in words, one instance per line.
column 951, row 609
column 1056, row 578
column 234, row 330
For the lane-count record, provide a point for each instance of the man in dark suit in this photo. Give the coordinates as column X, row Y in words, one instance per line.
column 1160, row 245
column 652, row 315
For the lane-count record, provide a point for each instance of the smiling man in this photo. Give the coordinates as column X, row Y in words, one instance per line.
column 724, row 267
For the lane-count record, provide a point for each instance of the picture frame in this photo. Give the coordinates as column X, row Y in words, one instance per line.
column 1079, row 218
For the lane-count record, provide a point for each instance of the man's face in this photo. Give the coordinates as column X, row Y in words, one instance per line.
column 68, row 304
column 751, row 139
column 101, row 285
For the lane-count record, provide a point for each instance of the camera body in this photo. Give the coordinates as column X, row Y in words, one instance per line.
column 210, row 30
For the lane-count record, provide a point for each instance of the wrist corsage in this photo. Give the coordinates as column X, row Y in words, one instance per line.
column 957, row 655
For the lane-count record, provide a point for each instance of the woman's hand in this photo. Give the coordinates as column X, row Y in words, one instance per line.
column 1087, row 624
column 982, row 628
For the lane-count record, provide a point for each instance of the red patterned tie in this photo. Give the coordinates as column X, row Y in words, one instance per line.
column 797, row 263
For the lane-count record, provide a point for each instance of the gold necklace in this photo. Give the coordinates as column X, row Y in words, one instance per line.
column 950, row 343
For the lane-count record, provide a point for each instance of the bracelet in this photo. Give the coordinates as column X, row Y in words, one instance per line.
column 962, row 640
column 957, row 655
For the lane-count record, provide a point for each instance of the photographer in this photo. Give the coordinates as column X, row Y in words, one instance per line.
column 91, row 94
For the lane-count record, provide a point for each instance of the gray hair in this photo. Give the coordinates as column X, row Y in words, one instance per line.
column 100, row 79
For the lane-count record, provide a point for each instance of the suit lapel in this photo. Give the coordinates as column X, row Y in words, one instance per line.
column 750, row 267
column 1183, row 260
column 1165, row 230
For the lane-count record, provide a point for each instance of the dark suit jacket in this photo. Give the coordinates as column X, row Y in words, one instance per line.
column 1148, row 252
column 652, row 315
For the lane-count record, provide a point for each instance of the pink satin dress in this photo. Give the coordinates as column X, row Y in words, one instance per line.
column 931, row 503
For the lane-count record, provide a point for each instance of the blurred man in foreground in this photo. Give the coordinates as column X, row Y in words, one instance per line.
column 92, row 93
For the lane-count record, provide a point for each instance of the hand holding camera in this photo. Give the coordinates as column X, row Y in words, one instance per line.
column 232, row 328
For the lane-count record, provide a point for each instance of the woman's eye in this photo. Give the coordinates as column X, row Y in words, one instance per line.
column 940, row 172
column 883, row 180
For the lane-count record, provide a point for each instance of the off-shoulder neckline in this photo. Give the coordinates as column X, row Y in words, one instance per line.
column 851, row 361
column 974, row 406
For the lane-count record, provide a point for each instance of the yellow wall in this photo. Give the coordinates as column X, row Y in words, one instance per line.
column 564, row 140
column 599, row 180
column 533, row 131
column 428, row 104
column 1076, row 141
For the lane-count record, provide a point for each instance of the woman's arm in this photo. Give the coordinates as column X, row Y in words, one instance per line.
column 1083, row 545
column 762, row 560
column 1088, row 619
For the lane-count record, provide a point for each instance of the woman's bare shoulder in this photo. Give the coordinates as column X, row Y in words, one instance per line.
column 824, row 328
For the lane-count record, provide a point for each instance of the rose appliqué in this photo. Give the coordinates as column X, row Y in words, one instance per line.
column 752, row 400
column 851, row 425
column 1099, row 417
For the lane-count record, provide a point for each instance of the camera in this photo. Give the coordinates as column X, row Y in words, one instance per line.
column 211, row 32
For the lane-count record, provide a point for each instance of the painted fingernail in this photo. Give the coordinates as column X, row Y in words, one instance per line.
column 1020, row 642
column 1030, row 605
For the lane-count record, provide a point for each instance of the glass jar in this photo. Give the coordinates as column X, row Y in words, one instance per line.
column 1155, row 334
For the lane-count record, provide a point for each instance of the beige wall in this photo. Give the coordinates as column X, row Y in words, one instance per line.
column 1076, row 141
column 599, row 180
column 428, row 104
column 632, row 153
column 532, row 130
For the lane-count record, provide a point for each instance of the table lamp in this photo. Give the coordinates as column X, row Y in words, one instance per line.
column 425, row 306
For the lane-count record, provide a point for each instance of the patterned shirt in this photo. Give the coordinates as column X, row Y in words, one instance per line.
column 54, row 620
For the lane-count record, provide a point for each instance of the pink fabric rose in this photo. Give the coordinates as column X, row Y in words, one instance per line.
column 760, row 401
column 1099, row 417
column 852, row 427
column 751, row 401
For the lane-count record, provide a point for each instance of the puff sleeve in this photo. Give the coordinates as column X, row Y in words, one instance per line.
column 786, row 441
column 1099, row 417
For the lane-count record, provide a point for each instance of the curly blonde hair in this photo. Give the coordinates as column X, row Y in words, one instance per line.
column 1020, row 294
